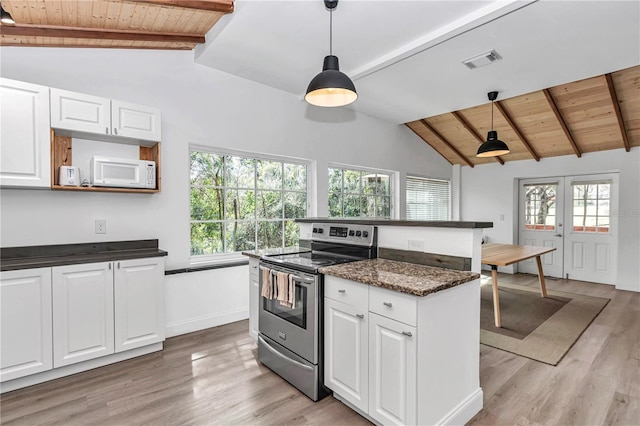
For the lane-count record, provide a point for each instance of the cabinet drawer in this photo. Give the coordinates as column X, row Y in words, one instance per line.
column 392, row 304
column 345, row 291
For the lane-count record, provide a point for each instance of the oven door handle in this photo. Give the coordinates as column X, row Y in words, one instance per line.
column 295, row 277
column 286, row 358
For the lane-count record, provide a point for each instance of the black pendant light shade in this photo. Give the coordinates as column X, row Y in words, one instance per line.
column 331, row 88
column 493, row 146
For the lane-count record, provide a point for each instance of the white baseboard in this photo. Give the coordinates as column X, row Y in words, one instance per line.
column 200, row 323
column 68, row 370
column 464, row 411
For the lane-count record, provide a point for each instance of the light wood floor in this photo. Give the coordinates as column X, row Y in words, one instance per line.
column 212, row 377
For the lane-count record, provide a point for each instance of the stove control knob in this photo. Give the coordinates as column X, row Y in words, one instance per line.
column 320, row 230
column 352, row 233
column 365, row 234
column 358, row 233
column 315, row 230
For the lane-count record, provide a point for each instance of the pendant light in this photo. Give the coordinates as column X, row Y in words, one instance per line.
column 331, row 88
column 5, row 17
column 493, row 146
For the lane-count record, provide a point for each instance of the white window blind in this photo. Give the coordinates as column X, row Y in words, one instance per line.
column 428, row 199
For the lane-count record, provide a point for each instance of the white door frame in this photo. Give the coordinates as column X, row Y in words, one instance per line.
column 553, row 262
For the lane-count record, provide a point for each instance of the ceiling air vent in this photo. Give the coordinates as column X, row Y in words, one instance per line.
column 482, row 59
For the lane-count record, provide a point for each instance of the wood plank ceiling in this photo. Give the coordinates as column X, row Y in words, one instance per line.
column 134, row 24
column 595, row 114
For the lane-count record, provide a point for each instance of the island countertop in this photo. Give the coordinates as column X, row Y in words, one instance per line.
column 418, row 280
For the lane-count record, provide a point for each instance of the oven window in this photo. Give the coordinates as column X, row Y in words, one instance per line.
column 297, row 315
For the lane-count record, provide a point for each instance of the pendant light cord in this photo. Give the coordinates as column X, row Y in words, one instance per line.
column 491, row 115
column 330, row 31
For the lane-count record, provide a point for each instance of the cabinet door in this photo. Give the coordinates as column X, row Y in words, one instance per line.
column 254, row 297
column 77, row 111
column 139, row 303
column 82, row 312
column 346, row 352
column 25, row 151
column 392, row 371
column 25, row 321
column 135, row 121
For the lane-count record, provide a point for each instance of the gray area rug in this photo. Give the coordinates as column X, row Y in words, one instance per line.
column 543, row 329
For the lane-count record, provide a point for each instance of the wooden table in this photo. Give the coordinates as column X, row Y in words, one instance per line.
column 495, row 255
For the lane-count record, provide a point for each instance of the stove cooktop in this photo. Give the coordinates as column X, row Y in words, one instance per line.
column 310, row 260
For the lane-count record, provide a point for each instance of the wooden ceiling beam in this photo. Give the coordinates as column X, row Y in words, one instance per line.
column 616, row 108
column 565, row 129
column 446, row 142
column 517, row 131
column 26, row 30
column 473, row 132
column 206, row 5
column 428, row 143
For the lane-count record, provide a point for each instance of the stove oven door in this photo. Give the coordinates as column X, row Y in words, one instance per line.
column 294, row 328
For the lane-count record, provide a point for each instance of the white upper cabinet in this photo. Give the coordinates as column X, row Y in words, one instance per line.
column 25, row 153
column 80, row 112
column 135, row 121
column 92, row 114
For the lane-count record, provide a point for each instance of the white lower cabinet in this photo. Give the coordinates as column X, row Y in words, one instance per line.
column 139, row 303
column 254, row 296
column 392, row 371
column 346, row 337
column 25, row 321
column 82, row 312
column 55, row 317
column 401, row 359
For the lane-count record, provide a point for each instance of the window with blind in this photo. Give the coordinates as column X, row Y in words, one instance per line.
column 428, row 199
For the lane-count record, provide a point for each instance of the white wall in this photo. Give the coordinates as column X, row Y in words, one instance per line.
column 490, row 190
column 201, row 106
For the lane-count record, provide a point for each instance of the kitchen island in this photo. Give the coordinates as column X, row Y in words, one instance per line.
column 402, row 341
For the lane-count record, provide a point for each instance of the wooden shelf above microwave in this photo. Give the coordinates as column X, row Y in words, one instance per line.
column 61, row 155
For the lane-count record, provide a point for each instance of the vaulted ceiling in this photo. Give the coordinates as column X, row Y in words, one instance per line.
column 568, row 79
column 136, row 24
column 595, row 114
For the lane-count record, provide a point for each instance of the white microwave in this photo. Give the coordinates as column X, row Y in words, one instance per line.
column 123, row 173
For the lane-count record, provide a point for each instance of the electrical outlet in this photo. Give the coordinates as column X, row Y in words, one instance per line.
column 501, row 216
column 101, row 226
column 416, row 245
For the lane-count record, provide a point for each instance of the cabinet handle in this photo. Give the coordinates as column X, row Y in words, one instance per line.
column 361, row 316
column 407, row 333
column 109, row 265
column 387, row 304
column 106, row 130
column 115, row 131
column 118, row 265
column 342, row 291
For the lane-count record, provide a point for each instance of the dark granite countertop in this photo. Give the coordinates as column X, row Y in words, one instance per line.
column 29, row 257
column 257, row 254
column 392, row 222
column 410, row 278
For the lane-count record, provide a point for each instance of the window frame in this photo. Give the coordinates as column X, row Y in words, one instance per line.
column 430, row 178
column 226, row 257
column 393, row 190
